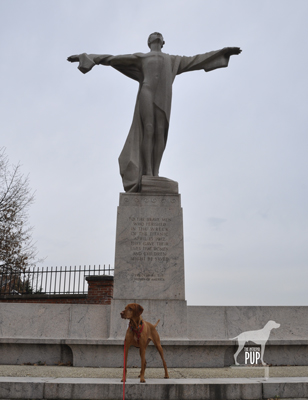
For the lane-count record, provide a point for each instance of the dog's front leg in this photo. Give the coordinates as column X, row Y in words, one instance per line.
column 144, row 366
column 127, row 345
column 143, row 363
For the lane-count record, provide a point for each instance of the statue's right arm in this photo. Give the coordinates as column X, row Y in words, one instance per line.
column 107, row 59
column 114, row 61
column 96, row 58
column 87, row 61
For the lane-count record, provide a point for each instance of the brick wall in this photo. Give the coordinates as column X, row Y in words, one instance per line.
column 100, row 291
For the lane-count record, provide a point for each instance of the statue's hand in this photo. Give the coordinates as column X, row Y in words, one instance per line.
column 73, row 58
column 232, row 51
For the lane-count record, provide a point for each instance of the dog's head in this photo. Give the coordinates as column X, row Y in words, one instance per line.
column 273, row 325
column 132, row 311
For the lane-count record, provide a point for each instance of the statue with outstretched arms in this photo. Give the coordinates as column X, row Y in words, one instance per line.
column 155, row 71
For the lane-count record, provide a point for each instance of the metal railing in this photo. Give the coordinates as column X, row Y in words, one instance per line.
column 50, row 280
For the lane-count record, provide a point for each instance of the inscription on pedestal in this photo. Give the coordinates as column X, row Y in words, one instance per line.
column 150, row 244
column 149, row 260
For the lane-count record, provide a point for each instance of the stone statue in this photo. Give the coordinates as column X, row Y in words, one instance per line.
column 155, row 71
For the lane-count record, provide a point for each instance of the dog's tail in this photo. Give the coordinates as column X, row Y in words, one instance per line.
column 234, row 338
column 156, row 323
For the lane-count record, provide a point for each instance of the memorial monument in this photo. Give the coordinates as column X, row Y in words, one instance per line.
column 149, row 255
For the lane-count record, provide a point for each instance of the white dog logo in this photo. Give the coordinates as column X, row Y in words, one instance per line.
column 259, row 337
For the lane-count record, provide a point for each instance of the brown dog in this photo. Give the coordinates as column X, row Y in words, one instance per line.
column 139, row 334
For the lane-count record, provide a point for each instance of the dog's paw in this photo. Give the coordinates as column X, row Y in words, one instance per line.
column 142, row 380
column 166, row 377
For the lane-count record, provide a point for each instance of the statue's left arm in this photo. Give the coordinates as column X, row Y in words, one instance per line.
column 208, row 61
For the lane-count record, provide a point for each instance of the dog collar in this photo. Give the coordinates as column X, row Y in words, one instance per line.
column 137, row 331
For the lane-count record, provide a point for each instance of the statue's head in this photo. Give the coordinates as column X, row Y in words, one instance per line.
column 154, row 36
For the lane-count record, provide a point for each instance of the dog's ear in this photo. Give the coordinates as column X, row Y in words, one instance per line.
column 139, row 310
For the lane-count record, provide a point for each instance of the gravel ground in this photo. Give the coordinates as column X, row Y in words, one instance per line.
column 175, row 373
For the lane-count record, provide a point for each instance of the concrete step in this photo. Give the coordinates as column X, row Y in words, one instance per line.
column 153, row 389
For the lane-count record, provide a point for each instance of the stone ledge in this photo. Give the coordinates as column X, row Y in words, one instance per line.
column 42, row 296
column 159, row 200
column 153, row 389
column 94, row 278
column 108, row 353
column 164, row 342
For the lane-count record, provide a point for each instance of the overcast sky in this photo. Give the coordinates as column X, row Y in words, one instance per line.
column 237, row 144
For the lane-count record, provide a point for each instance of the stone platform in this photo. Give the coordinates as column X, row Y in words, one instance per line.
column 153, row 389
column 79, row 334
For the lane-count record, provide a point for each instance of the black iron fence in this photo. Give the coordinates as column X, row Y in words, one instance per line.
column 49, row 280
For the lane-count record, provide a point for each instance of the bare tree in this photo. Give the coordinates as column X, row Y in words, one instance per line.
column 17, row 250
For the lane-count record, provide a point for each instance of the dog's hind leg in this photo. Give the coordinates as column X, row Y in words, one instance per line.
column 161, row 353
column 156, row 340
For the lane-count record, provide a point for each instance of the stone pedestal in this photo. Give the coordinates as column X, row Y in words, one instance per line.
column 149, row 262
